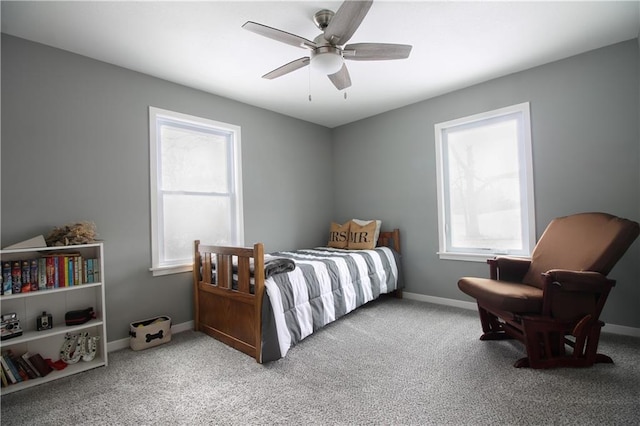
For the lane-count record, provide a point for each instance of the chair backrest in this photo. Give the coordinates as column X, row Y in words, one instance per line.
column 581, row 242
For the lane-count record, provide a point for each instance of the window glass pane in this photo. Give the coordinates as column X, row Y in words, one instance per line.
column 484, row 186
column 185, row 220
column 196, row 187
column 193, row 160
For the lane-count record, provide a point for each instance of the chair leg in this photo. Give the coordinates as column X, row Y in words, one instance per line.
column 590, row 354
column 485, row 319
column 545, row 345
column 535, row 344
column 492, row 328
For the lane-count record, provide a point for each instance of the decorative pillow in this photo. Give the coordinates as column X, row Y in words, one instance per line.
column 339, row 235
column 366, row 222
column 362, row 237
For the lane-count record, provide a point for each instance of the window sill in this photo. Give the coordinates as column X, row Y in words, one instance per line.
column 168, row 270
column 467, row 257
column 473, row 257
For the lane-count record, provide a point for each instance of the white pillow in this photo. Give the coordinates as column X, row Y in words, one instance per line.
column 365, row 222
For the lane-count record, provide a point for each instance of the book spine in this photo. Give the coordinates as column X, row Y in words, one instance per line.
column 42, row 273
column 26, row 276
column 7, row 369
column 56, row 276
column 34, row 275
column 79, row 263
column 89, row 270
column 23, row 366
column 21, row 371
column 61, row 268
column 70, row 271
column 96, row 270
column 5, row 382
column 25, row 357
column 64, row 271
column 40, row 364
column 6, row 278
column 16, row 276
column 51, row 273
column 12, row 367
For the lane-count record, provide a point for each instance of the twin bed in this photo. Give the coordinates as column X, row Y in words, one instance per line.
column 263, row 304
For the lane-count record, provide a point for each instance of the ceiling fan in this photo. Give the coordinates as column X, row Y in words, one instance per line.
column 328, row 50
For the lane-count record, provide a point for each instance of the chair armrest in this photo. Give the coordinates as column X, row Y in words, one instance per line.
column 571, row 295
column 506, row 268
column 582, row 281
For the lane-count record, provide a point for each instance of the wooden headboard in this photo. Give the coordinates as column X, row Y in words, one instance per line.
column 390, row 239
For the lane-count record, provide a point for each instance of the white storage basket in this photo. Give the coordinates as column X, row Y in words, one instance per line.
column 149, row 333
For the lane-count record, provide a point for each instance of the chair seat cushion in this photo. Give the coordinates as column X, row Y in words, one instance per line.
column 503, row 295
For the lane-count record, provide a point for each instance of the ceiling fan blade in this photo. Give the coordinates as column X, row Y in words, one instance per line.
column 279, row 35
column 287, row 68
column 346, row 21
column 376, row 51
column 341, row 79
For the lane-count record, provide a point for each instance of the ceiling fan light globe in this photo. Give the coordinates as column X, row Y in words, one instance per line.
column 326, row 62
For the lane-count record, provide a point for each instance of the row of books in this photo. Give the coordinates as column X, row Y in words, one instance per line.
column 20, row 368
column 48, row 272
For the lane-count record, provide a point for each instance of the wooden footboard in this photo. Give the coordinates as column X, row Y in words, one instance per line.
column 226, row 310
column 228, row 302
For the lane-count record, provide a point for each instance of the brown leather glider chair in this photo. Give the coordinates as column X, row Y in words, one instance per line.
column 552, row 302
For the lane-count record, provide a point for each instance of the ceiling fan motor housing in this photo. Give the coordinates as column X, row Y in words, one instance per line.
column 322, row 18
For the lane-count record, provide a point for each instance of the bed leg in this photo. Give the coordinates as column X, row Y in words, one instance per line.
column 398, row 293
column 196, row 280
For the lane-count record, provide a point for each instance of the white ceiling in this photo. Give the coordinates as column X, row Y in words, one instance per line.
column 202, row 45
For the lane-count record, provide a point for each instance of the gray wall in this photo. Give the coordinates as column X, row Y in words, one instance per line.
column 584, row 114
column 75, row 146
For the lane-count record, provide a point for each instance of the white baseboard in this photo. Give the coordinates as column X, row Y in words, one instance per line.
column 608, row 328
column 621, row 329
column 440, row 301
column 124, row 343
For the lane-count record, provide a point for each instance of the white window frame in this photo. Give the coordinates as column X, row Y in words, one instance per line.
column 522, row 111
column 158, row 116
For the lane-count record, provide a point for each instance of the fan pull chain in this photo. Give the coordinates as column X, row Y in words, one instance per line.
column 309, row 83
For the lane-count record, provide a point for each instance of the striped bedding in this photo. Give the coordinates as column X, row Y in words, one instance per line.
column 326, row 284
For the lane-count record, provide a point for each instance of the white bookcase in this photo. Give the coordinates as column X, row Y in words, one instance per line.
column 57, row 301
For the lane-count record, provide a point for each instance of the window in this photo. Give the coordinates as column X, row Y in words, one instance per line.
column 196, row 187
column 485, row 185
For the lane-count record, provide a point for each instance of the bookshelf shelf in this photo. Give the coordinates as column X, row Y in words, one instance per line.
column 56, row 374
column 32, row 335
column 56, row 301
column 45, row 293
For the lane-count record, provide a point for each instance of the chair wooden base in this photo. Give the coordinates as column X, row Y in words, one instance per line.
column 546, row 340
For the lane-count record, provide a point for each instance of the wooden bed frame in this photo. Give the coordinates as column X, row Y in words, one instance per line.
column 234, row 316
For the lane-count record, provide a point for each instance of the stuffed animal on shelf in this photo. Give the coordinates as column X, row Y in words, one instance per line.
column 72, row 234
